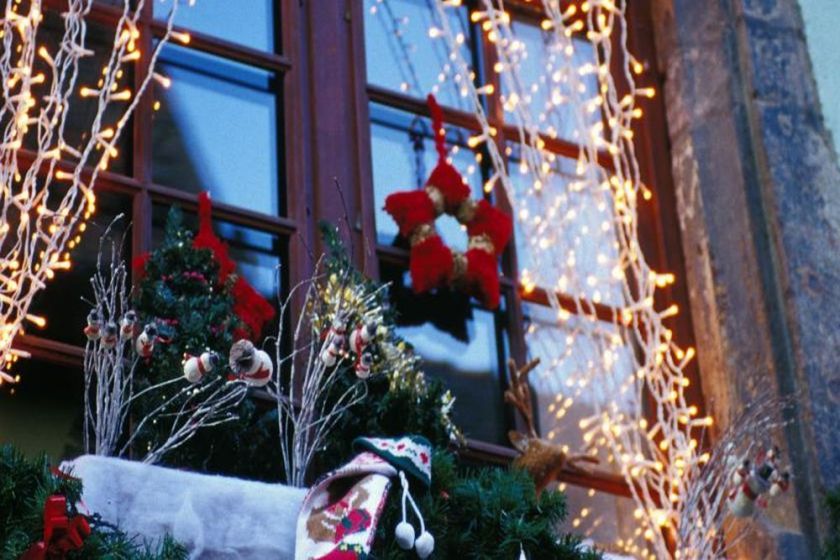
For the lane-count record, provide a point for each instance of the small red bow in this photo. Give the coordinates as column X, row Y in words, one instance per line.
column 61, row 533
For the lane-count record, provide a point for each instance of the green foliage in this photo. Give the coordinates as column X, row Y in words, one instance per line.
column 400, row 400
column 25, row 486
column 483, row 514
column 831, row 550
column 180, row 291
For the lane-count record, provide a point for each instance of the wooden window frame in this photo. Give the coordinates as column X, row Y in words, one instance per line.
column 325, row 114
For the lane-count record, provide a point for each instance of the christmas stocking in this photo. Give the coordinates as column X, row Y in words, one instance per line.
column 338, row 518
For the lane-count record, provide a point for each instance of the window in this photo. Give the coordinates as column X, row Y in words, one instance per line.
column 270, row 114
column 172, row 151
column 403, row 65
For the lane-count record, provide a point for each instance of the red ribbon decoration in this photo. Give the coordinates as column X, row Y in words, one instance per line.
column 61, row 533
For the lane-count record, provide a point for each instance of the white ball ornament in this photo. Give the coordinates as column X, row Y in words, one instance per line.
column 404, row 534
column 425, row 545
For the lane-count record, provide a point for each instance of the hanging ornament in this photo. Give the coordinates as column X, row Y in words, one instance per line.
column 431, row 263
column 145, row 343
column 196, row 367
column 109, row 335
column 127, row 324
column 360, row 340
column 334, row 340
column 250, row 364
column 752, row 481
column 93, row 330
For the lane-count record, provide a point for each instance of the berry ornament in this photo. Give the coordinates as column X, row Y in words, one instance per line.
column 196, row 367
column 431, row 263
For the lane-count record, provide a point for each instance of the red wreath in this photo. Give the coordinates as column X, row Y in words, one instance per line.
column 433, row 264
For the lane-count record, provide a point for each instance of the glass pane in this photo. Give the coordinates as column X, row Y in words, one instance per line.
column 216, row 129
column 404, row 155
column 401, row 55
column 43, row 413
column 249, row 23
column 258, row 255
column 604, row 520
column 575, row 251
column 460, row 344
column 563, row 382
column 541, row 71
column 82, row 110
column 61, row 302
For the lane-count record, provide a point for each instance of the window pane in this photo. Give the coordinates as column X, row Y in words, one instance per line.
column 249, row 23
column 61, row 302
column 216, row 130
column 43, row 413
column 579, row 236
column 604, row 520
column 460, row 344
column 548, row 90
column 562, row 383
column 404, row 155
column 401, row 56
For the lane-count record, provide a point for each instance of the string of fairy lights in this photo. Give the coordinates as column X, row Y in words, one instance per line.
column 577, row 221
column 46, row 180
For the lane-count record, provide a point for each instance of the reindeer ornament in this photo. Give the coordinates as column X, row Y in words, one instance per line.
column 543, row 460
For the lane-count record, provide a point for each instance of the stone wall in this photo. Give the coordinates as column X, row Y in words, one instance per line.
column 758, row 189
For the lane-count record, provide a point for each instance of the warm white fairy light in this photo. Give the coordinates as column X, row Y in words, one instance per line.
column 631, row 356
column 46, row 184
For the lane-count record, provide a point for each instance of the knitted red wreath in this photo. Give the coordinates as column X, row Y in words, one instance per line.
column 432, row 263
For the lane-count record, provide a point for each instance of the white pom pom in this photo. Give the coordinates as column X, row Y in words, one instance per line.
column 405, row 535
column 775, row 490
column 737, row 478
column 425, row 545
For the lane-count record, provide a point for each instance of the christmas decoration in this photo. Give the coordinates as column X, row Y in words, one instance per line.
column 39, row 518
column 542, row 459
column 47, row 179
column 340, row 512
column 110, row 376
column 250, row 364
column 752, row 481
column 196, row 367
column 179, row 288
column 211, row 516
column 432, row 263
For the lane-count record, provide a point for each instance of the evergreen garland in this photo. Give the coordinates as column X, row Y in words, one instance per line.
column 486, row 514
column 25, row 486
column 179, row 289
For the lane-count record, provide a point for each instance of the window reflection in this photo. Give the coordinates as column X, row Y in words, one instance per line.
column 258, row 255
column 563, row 383
column 43, row 412
column 546, row 85
column 249, row 23
column 461, row 344
column 403, row 157
column 402, row 57
column 61, row 301
column 216, row 129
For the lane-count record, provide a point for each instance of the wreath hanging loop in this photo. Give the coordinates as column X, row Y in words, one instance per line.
column 432, row 264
